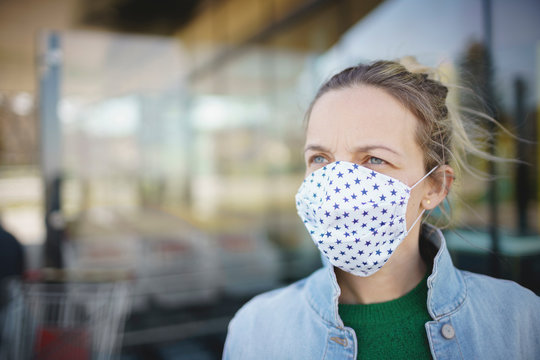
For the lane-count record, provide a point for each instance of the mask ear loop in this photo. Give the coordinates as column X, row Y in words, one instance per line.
column 415, row 221
column 422, row 213
column 423, row 177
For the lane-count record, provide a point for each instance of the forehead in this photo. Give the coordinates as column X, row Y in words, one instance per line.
column 360, row 116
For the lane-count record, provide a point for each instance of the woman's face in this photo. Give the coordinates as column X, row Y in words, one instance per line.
column 367, row 126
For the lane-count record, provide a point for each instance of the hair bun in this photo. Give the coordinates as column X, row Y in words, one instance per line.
column 412, row 65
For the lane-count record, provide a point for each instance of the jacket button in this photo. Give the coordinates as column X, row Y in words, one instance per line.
column 448, row 331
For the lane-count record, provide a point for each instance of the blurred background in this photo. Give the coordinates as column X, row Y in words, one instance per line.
column 160, row 143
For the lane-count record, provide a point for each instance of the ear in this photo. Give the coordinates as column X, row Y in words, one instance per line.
column 439, row 186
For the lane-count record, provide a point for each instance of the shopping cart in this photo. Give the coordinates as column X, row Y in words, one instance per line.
column 64, row 321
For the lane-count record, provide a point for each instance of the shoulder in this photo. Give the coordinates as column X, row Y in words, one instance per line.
column 508, row 312
column 489, row 286
column 503, row 298
column 265, row 308
column 271, row 322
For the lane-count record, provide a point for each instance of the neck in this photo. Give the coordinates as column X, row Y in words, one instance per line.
column 397, row 277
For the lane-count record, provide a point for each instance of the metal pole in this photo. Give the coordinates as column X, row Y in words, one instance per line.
column 50, row 65
column 522, row 189
column 492, row 170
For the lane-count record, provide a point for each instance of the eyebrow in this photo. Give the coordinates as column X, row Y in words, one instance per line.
column 366, row 148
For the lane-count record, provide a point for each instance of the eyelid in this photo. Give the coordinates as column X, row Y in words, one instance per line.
column 312, row 158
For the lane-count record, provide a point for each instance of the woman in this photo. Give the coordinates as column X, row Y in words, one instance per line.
column 379, row 143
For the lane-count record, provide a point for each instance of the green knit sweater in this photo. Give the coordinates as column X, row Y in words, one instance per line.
column 393, row 329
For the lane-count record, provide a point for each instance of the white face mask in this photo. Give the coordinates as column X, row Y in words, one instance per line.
column 355, row 216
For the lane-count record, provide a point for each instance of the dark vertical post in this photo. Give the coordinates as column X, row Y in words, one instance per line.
column 522, row 189
column 50, row 64
column 489, row 94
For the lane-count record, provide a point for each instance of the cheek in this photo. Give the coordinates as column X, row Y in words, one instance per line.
column 413, row 206
column 310, row 169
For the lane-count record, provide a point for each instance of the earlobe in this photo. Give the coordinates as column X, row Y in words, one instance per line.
column 427, row 204
column 439, row 190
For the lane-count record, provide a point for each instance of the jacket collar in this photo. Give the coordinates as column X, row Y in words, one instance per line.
column 446, row 287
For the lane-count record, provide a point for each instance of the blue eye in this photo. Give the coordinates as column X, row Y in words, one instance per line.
column 375, row 161
column 318, row 160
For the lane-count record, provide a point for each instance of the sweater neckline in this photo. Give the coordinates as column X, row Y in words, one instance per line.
column 402, row 308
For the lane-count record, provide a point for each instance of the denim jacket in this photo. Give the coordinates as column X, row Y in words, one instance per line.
column 473, row 317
